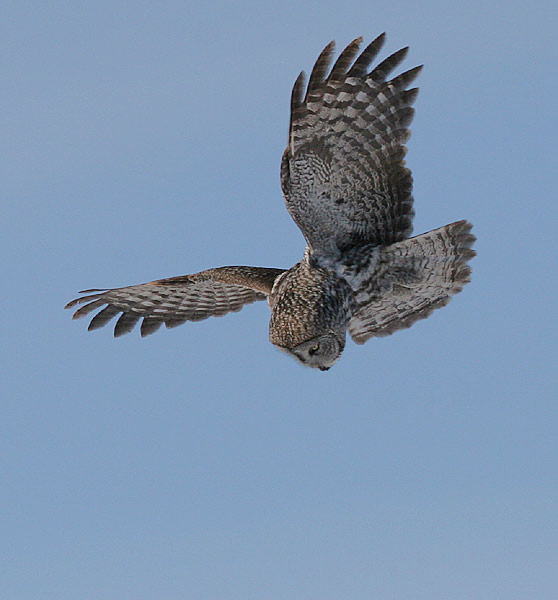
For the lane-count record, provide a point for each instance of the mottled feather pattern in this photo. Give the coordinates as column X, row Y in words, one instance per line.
column 307, row 286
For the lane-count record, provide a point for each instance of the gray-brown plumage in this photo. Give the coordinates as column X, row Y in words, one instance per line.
column 345, row 184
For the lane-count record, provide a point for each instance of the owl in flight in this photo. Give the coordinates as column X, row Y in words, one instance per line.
column 346, row 186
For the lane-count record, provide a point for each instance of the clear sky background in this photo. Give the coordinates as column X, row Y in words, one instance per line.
column 142, row 140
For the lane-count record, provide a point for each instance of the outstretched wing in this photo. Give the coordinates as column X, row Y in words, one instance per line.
column 343, row 173
column 424, row 272
column 176, row 300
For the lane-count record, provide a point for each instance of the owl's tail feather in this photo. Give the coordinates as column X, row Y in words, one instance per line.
column 422, row 273
column 442, row 254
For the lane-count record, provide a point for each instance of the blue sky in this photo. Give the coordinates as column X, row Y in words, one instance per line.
column 142, row 140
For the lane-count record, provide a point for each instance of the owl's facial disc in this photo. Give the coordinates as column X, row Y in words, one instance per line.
column 320, row 352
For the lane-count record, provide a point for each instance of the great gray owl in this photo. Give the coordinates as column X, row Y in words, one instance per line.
column 346, row 186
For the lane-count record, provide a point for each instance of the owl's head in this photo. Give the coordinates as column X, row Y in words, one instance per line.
column 320, row 352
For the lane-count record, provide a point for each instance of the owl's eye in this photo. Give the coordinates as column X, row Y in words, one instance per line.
column 314, row 349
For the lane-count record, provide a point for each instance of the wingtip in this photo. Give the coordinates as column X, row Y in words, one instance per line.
column 380, row 40
column 415, row 71
column 466, row 239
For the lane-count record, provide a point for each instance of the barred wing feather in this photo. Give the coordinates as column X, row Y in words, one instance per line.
column 174, row 301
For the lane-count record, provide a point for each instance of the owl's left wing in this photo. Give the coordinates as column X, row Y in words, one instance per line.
column 175, row 300
column 343, row 173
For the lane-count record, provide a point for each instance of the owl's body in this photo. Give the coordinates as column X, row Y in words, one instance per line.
column 346, row 186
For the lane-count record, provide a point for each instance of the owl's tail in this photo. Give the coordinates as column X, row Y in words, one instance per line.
column 443, row 254
column 424, row 272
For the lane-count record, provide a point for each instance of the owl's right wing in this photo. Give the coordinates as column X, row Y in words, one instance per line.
column 176, row 300
column 343, row 173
